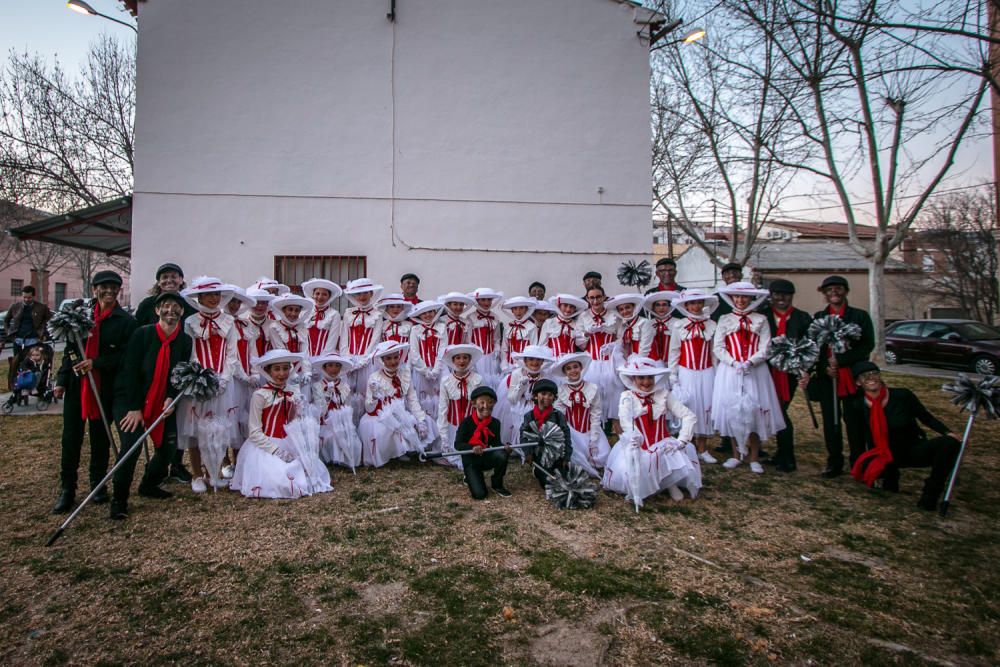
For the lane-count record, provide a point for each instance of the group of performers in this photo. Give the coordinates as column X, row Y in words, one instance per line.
column 396, row 376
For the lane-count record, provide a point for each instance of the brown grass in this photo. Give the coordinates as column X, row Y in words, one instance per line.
column 400, row 566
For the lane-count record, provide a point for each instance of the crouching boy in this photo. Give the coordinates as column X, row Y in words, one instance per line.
column 477, row 432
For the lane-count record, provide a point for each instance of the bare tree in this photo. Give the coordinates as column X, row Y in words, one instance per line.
column 960, row 233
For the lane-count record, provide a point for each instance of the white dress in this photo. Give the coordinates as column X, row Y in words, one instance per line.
column 692, row 369
column 486, row 332
column 517, row 334
column 582, row 406
column 744, row 403
column 211, row 423
column 360, row 333
column 388, row 428
column 558, row 335
column 323, row 329
column 259, row 471
column 513, row 402
column 454, row 406
column 339, row 441
column 426, row 351
column 398, row 332
column 246, row 348
column 596, row 334
column 646, row 460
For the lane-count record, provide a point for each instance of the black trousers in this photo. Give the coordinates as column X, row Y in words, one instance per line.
column 72, row 443
column 476, row 464
column 156, row 469
column 785, row 438
column 833, row 431
column 938, row 454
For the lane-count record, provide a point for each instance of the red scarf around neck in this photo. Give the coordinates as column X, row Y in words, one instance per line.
column 89, row 407
column 157, row 392
column 481, row 436
column 870, row 465
column 845, row 380
column 541, row 415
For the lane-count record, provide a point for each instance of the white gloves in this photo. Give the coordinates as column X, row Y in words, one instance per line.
column 422, row 429
column 284, row 455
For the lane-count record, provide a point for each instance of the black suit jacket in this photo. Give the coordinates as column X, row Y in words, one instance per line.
column 115, row 332
column 903, row 411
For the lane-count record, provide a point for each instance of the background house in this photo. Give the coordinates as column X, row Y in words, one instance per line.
column 471, row 141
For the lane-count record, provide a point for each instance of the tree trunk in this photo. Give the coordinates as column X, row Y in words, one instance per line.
column 876, row 307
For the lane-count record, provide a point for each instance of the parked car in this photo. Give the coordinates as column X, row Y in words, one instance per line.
column 963, row 344
column 3, row 317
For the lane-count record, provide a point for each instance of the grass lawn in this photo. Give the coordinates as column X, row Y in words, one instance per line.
column 400, row 566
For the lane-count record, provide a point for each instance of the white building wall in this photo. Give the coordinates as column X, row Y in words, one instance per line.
column 457, row 142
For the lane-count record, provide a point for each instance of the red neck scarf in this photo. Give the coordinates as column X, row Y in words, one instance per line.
column 661, row 340
column 649, row 426
column 781, row 386
column 541, row 415
column 293, row 337
column 870, row 465
column 481, row 436
column 89, row 407
column 157, row 392
column 845, row 380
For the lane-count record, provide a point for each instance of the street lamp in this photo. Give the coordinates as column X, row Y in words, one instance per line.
column 693, row 35
column 81, row 7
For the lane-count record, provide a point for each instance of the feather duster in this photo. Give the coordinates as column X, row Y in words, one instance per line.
column 835, row 332
column 72, row 323
column 793, row 355
column 200, row 383
column 982, row 397
column 631, row 274
column 571, row 489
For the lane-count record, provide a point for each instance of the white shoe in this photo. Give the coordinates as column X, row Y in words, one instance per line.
column 675, row 493
column 198, row 485
column 221, row 483
column 708, row 458
column 756, row 467
column 228, row 471
column 731, row 463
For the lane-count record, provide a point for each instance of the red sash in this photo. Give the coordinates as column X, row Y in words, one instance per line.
column 89, row 407
column 157, row 392
column 870, row 465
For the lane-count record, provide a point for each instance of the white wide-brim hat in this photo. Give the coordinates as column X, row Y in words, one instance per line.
column 473, row 351
column 332, row 357
column 425, row 306
column 544, row 306
column 560, row 299
column 284, row 300
column 332, row 287
column 615, row 301
column 207, row 285
column 388, row 347
column 582, row 357
column 277, row 356
column 663, row 295
column 711, row 302
column 266, row 283
column 257, row 294
column 360, row 285
column 637, row 366
column 485, row 293
column 396, row 300
column 525, row 301
column 727, row 292
column 455, row 296
column 246, row 302
column 535, row 352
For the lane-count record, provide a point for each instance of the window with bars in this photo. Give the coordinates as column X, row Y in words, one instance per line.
column 16, row 285
column 60, row 293
column 293, row 270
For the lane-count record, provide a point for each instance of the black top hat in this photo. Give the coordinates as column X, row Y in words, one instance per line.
column 830, row 281
column 105, row 276
column 482, row 391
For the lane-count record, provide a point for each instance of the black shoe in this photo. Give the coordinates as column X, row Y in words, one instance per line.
column 155, row 492
column 101, row 497
column 502, row 491
column 786, row 467
column 928, row 504
column 724, row 449
column 830, row 473
column 180, row 473
column 119, row 511
column 64, row 504
column 763, row 454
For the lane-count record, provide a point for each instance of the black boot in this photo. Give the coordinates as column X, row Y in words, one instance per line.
column 65, row 502
column 119, row 510
column 499, row 488
column 101, row 497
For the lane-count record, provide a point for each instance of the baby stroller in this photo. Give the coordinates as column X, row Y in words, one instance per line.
column 32, row 381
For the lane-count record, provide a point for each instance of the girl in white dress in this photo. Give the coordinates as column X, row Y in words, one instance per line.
column 324, row 323
column 744, row 403
column 659, row 307
column 580, row 401
column 455, row 325
column 288, row 331
column 519, row 332
column 209, row 424
column 331, row 392
column 544, row 311
column 396, row 323
column 635, row 333
column 257, row 319
column 692, row 362
column 394, row 424
column 454, row 403
column 514, row 400
column 646, row 460
column 427, row 343
column 270, row 465
column 558, row 333
column 360, row 333
column 238, row 307
column 595, row 332
column 486, row 332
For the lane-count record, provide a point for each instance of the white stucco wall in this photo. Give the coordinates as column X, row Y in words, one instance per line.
column 318, row 127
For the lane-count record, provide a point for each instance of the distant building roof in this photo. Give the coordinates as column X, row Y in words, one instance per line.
column 822, row 256
column 824, row 230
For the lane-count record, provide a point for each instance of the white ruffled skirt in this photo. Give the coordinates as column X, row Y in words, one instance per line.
column 392, row 433
column 590, row 458
column 694, row 389
column 260, row 474
column 339, row 441
column 427, row 392
column 601, row 373
column 639, row 473
column 745, row 404
column 488, row 367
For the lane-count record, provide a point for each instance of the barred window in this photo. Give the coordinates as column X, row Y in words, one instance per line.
column 16, row 285
column 293, row 270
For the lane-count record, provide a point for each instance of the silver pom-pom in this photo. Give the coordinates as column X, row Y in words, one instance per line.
column 631, row 274
column 571, row 489
column 976, row 397
column 835, row 332
column 792, row 355
column 72, row 322
column 200, row 383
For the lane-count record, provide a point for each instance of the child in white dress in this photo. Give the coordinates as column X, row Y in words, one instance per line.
column 581, row 402
column 519, row 332
column 744, row 403
column 331, row 393
column 396, row 323
column 646, row 460
column 486, row 332
column 558, row 333
column 659, row 306
column 324, row 323
column 427, row 343
column 515, row 399
column 360, row 333
column 595, row 333
column 456, row 388
column 455, row 325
